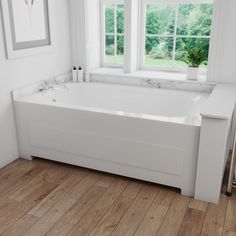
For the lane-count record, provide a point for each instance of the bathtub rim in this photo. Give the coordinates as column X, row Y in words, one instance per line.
column 23, row 95
column 112, row 112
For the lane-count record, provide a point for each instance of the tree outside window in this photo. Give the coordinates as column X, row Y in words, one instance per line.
column 171, row 28
column 114, row 34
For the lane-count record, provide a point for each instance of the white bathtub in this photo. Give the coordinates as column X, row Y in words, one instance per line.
column 143, row 133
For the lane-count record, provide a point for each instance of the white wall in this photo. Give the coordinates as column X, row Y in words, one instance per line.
column 77, row 17
column 222, row 67
column 20, row 72
column 85, row 23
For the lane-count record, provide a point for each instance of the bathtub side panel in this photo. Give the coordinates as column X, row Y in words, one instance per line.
column 162, row 150
column 23, row 114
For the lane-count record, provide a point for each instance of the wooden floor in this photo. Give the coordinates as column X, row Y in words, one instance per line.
column 45, row 198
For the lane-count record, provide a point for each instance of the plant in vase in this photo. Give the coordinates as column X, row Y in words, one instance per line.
column 194, row 56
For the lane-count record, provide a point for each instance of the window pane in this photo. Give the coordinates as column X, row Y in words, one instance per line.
column 109, row 18
column 160, row 19
column 120, row 49
column 120, row 19
column 109, row 49
column 159, row 51
column 198, row 47
column 195, row 19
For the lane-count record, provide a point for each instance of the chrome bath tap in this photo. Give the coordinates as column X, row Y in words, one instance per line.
column 153, row 83
column 47, row 85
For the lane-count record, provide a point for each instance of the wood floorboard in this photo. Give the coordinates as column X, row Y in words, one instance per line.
column 192, row 223
column 41, row 197
column 98, row 210
column 50, row 200
column 73, row 216
column 112, row 218
column 12, row 211
column 22, row 225
column 133, row 217
column 215, row 218
column 230, row 219
column 156, row 214
column 174, row 217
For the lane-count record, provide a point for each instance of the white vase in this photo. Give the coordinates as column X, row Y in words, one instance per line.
column 192, row 73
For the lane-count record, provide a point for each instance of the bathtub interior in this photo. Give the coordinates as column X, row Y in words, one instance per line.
column 162, row 104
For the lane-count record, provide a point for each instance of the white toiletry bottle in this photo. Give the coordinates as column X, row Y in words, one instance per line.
column 87, row 77
column 80, row 74
column 74, row 75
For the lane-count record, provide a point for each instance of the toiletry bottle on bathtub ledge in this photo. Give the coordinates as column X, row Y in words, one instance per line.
column 74, row 75
column 80, row 74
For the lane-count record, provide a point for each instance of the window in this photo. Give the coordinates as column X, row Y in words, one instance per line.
column 112, row 33
column 172, row 27
column 167, row 30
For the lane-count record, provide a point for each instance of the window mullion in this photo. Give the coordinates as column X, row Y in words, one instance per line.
column 177, row 36
column 175, row 31
column 103, row 29
column 193, row 36
column 159, row 35
column 115, row 33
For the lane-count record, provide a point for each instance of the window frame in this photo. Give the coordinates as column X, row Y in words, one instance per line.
column 142, row 35
column 103, row 33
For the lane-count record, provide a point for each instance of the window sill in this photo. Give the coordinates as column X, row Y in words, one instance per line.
column 172, row 80
column 173, row 76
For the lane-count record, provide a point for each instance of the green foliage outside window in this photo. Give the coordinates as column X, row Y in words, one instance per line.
column 110, row 12
column 160, row 20
column 193, row 20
